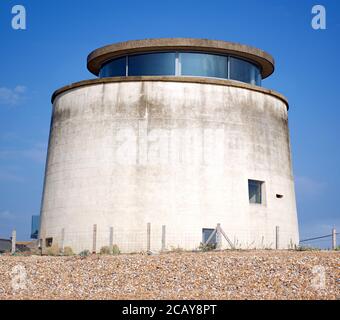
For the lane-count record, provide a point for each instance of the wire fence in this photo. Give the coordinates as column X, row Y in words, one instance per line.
column 161, row 238
column 325, row 242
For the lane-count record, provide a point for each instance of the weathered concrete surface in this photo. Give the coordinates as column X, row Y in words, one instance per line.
column 123, row 154
column 99, row 56
column 201, row 80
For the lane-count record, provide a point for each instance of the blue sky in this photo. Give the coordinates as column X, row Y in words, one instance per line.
column 52, row 53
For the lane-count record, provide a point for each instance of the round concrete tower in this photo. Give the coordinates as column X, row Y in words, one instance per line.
column 174, row 137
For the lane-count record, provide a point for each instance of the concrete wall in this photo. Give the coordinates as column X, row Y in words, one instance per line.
column 169, row 153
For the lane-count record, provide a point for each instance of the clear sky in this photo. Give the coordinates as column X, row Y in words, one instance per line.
column 52, row 52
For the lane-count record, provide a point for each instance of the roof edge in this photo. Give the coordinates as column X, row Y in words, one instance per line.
column 101, row 55
column 200, row 80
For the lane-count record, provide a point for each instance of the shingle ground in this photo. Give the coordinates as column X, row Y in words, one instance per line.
column 266, row 274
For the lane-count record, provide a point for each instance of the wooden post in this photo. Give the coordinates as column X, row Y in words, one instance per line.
column 163, row 237
column 111, row 238
column 277, row 237
column 14, row 240
column 148, row 241
column 40, row 246
column 226, row 237
column 333, row 239
column 62, row 240
column 94, row 244
column 218, row 237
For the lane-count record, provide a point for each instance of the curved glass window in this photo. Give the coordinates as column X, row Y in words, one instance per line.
column 114, row 68
column 244, row 71
column 203, row 65
column 152, row 64
column 183, row 64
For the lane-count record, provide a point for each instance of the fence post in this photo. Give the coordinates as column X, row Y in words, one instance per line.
column 148, row 241
column 14, row 240
column 163, row 237
column 277, row 237
column 94, row 244
column 218, row 237
column 111, row 239
column 62, row 240
column 333, row 239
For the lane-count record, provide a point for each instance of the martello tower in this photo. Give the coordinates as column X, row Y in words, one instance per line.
column 173, row 132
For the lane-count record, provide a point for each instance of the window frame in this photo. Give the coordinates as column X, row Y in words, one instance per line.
column 208, row 54
column 262, row 192
column 213, row 240
column 257, row 81
column 48, row 242
column 146, row 53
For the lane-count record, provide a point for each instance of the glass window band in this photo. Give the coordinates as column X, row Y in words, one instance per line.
column 197, row 64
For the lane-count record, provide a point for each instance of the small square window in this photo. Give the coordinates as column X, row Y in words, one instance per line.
column 206, row 233
column 48, row 242
column 255, row 191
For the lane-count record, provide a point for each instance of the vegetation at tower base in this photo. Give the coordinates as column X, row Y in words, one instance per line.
column 84, row 253
column 110, row 250
column 207, row 247
column 68, row 251
column 54, row 250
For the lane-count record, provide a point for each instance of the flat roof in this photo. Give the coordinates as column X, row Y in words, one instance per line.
column 99, row 56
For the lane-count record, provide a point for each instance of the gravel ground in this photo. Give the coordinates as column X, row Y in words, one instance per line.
column 211, row 275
